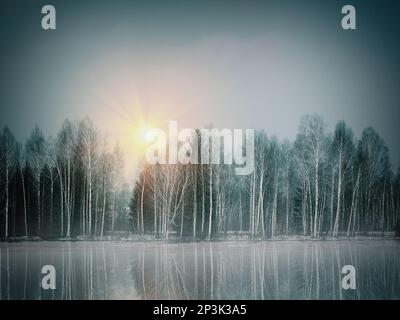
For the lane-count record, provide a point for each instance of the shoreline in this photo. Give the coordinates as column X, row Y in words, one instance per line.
column 239, row 238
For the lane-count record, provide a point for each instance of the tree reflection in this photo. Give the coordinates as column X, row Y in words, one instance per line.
column 205, row 270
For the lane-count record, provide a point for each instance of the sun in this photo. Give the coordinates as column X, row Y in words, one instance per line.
column 139, row 136
column 131, row 124
column 143, row 134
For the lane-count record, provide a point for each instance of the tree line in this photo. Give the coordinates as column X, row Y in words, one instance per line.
column 321, row 185
column 61, row 187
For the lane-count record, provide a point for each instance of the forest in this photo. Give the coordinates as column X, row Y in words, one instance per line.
column 65, row 186
column 320, row 185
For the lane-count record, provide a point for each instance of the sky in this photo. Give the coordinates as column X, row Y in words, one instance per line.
column 233, row 64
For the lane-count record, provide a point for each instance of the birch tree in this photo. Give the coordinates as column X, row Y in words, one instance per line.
column 311, row 146
column 21, row 165
column 36, row 152
column 87, row 146
column 9, row 158
column 66, row 144
column 343, row 150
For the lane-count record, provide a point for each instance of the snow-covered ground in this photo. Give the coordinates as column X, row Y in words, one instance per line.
column 229, row 236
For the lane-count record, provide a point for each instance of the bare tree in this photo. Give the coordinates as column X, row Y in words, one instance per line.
column 36, row 151
column 9, row 158
column 343, row 149
column 312, row 147
column 87, row 146
column 21, row 165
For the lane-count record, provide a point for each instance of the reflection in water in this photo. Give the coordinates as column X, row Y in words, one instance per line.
column 219, row 270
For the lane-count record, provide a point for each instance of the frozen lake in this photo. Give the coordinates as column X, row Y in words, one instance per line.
column 219, row 270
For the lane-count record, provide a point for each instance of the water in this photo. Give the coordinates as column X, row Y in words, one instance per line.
column 219, row 270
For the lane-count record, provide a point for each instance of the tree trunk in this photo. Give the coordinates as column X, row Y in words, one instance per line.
column 155, row 202
column 240, row 212
column 90, row 196
column 61, row 204
column 113, row 211
column 194, row 204
column 7, row 201
column 69, row 201
column 38, row 205
column 352, row 208
column 287, row 210
column 203, row 209
column 260, row 196
column 24, row 199
column 141, row 202
column 183, row 213
column 332, row 195
column 252, row 197
column 336, row 227
column 274, row 209
column 316, row 194
column 104, row 209
column 211, row 203
column 51, row 201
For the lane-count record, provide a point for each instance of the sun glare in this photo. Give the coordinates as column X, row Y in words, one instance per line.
column 132, row 129
column 143, row 135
